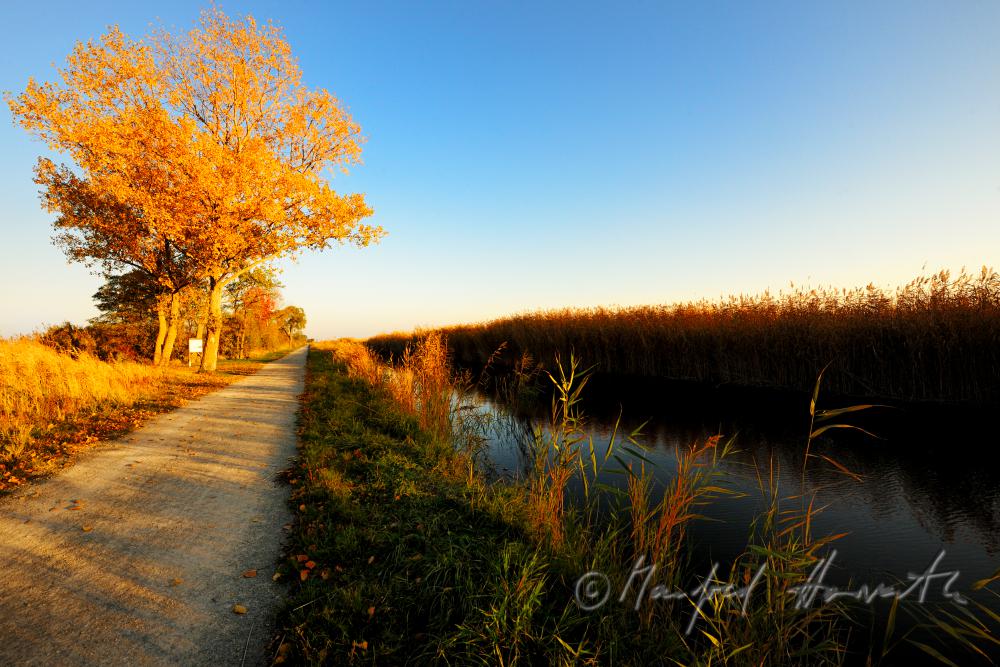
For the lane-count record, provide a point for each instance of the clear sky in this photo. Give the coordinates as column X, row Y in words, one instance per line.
column 543, row 154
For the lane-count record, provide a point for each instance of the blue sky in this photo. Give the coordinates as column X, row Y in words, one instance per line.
column 537, row 155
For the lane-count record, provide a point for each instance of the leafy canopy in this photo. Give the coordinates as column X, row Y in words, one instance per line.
column 207, row 143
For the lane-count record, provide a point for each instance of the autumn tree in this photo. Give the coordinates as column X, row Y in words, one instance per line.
column 96, row 228
column 127, row 297
column 131, row 303
column 252, row 298
column 291, row 320
column 208, row 142
column 132, row 316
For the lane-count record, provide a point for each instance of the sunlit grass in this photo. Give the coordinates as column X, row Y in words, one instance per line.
column 421, row 382
column 39, row 386
column 52, row 404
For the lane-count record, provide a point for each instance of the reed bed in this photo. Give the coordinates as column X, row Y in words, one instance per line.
column 935, row 339
column 40, row 387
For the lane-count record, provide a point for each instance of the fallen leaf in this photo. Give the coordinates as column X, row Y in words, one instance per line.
column 250, row 574
column 86, row 529
column 276, row 576
column 239, row 609
column 371, row 560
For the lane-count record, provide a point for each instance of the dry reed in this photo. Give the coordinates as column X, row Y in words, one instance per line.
column 937, row 338
column 421, row 380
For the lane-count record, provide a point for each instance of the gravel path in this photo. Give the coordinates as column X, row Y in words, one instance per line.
column 136, row 554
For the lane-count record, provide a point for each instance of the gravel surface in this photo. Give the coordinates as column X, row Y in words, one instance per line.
column 136, row 554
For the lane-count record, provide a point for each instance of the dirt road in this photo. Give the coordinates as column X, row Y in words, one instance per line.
column 136, row 554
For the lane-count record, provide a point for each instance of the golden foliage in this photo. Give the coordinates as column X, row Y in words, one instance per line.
column 202, row 150
column 210, row 137
column 39, row 384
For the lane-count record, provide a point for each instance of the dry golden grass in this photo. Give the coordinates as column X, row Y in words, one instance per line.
column 53, row 404
column 936, row 338
column 39, row 386
column 421, row 380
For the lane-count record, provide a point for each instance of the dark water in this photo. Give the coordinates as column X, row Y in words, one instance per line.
column 927, row 483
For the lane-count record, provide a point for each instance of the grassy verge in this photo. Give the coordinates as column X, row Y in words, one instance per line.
column 53, row 406
column 390, row 540
column 403, row 554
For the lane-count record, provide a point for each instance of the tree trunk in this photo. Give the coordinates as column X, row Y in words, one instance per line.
column 210, row 357
column 242, row 352
column 175, row 316
column 161, row 334
column 200, row 334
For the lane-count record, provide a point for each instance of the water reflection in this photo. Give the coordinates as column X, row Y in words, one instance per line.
column 921, row 490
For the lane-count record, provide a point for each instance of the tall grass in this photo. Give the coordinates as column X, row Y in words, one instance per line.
column 40, row 387
column 517, row 604
column 936, row 338
column 421, row 381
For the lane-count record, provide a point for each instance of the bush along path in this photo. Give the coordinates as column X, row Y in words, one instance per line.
column 159, row 548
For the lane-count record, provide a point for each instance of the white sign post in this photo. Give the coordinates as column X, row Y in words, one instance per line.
column 194, row 347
